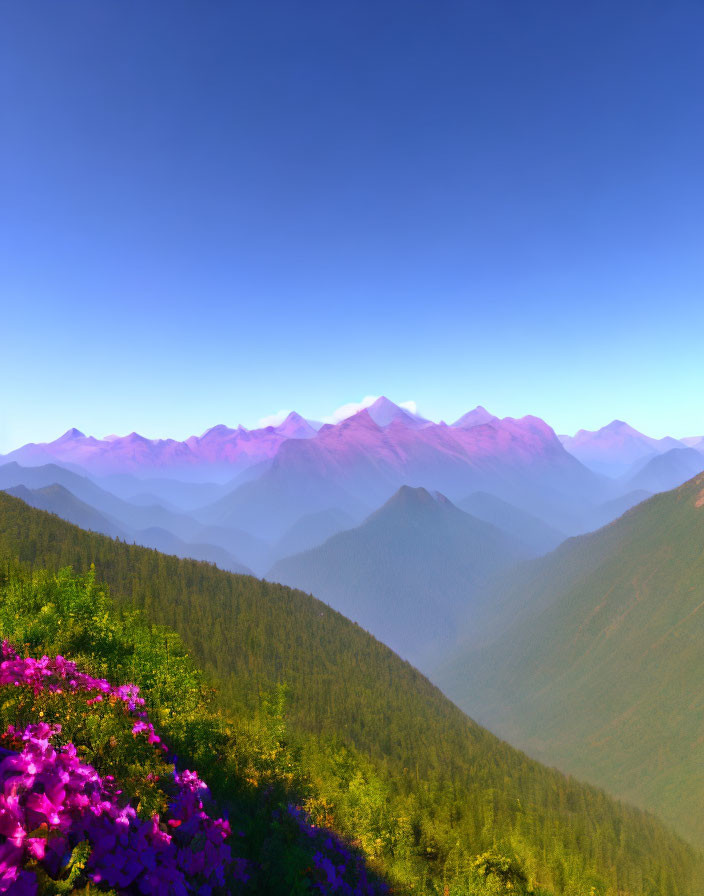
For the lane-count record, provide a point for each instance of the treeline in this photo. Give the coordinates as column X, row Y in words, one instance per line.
column 389, row 760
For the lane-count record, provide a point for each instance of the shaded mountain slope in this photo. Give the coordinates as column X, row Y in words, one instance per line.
column 79, row 500
column 601, row 672
column 170, row 493
column 126, row 515
column 310, row 531
column 537, row 536
column 667, row 471
column 409, row 573
column 468, row 787
column 612, row 449
column 168, row 543
column 60, row 501
column 611, row 510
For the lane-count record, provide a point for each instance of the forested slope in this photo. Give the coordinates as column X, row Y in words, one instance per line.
column 452, row 786
column 602, row 670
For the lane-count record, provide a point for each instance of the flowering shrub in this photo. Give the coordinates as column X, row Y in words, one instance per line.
column 63, row 823
column 336, row 869
column 147, row 826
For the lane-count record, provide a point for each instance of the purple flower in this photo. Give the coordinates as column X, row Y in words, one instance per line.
column 51, row 801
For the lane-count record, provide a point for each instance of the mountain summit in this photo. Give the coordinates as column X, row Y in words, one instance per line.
column 615, row 447
column 384, row 412
column 295, row 427
column 408, row 574
column 477, row 417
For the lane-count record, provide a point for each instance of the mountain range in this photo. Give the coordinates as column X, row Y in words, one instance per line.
column 222, row 456
column 614, row 448
column 260, row 495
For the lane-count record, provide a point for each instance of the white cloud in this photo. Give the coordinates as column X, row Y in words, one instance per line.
column 273, row 419
column 409, row 406
column 347, row 410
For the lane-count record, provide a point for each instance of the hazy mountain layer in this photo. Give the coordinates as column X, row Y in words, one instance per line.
column 667, row 471
column 310, row 531
column 536, row 536
column 58, row 500
column 358, row 464
column 612, row 449
column 150, row 526
column 410, row 574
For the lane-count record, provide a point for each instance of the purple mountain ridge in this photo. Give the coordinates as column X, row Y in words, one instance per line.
column 358, row 464
column 247, row 490
column 476, row 417
column 614, row 448
column 294, row 469
column 221, row 450
column 696, row 442
column 384, row 412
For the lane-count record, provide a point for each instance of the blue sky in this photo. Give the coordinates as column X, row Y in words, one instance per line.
column 213, row 211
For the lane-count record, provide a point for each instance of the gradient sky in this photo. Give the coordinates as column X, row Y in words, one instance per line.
column 211, row 211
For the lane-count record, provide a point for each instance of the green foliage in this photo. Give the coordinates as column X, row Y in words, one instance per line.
column 49, row 886
column 499, row 874
column 363, row 740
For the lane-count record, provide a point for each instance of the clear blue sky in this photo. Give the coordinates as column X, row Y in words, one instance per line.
column 211, row 211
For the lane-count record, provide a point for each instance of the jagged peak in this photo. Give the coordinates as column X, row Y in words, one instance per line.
column 70, row 435
column 476, row 417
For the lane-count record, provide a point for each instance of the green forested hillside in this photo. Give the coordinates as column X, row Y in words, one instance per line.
column 395, row 763
column 603, row 671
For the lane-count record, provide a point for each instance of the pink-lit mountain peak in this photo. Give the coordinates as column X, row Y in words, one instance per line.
column 135, row 438
column 384, row 412
column 617, row 429
column 533, row 424
column 217, row 432
column 296, row 427
column 361, row 422
column 477, row 417
column 694, row 442
column 71, row 435
column 613, row 448
column 618, row 432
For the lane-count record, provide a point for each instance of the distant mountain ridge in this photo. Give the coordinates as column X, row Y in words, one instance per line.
column 260, row 483
column 667, row 470
column 358, row 464
column 614, row 448
column 222, row 452
column 221, row 449
column 409, row 573
column 80, row 501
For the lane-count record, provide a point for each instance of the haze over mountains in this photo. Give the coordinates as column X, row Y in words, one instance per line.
column 409, row 573
column 262, row 494
column 616, row 447
column 222, row 453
